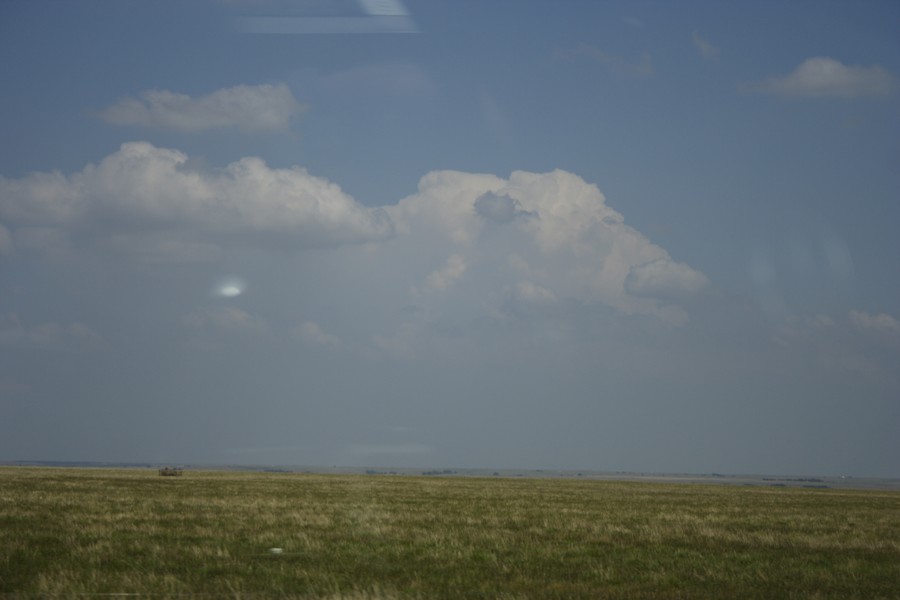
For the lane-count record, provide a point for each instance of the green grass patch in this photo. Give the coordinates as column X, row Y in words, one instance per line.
column 69, row 532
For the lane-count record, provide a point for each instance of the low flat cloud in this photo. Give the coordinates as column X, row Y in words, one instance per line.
column 148, row 201
column 822, row 77
column 252, row 109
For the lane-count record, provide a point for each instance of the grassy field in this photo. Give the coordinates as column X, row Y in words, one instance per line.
column 103, row 532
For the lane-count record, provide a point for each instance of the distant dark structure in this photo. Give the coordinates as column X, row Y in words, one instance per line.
column 170, row 472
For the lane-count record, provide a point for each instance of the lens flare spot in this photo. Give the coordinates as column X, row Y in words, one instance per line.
column 230, row 288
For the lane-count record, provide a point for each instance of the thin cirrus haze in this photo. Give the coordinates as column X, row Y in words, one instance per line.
column 250, row 108
column 632, row 240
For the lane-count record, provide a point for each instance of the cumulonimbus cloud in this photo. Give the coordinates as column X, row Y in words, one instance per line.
column 554, row 232
column 821, row 77
column 259, row 108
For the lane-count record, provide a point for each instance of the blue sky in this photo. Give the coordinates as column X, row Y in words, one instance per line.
column 628, row 236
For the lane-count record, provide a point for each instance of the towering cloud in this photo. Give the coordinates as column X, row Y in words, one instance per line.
column 540, row 237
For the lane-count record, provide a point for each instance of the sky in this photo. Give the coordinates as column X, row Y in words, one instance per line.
column 614, row 236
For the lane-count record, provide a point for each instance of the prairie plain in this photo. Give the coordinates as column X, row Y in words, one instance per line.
column 68, row 532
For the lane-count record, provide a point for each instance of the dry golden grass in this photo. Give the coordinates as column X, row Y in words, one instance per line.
column 69, row 532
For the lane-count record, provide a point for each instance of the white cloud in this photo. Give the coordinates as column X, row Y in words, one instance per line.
column 666, row 279
column 825, row 77
column 706, row 49
column 40, row 199
column 260, row 108
column 148, row 201
column 444, row 277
